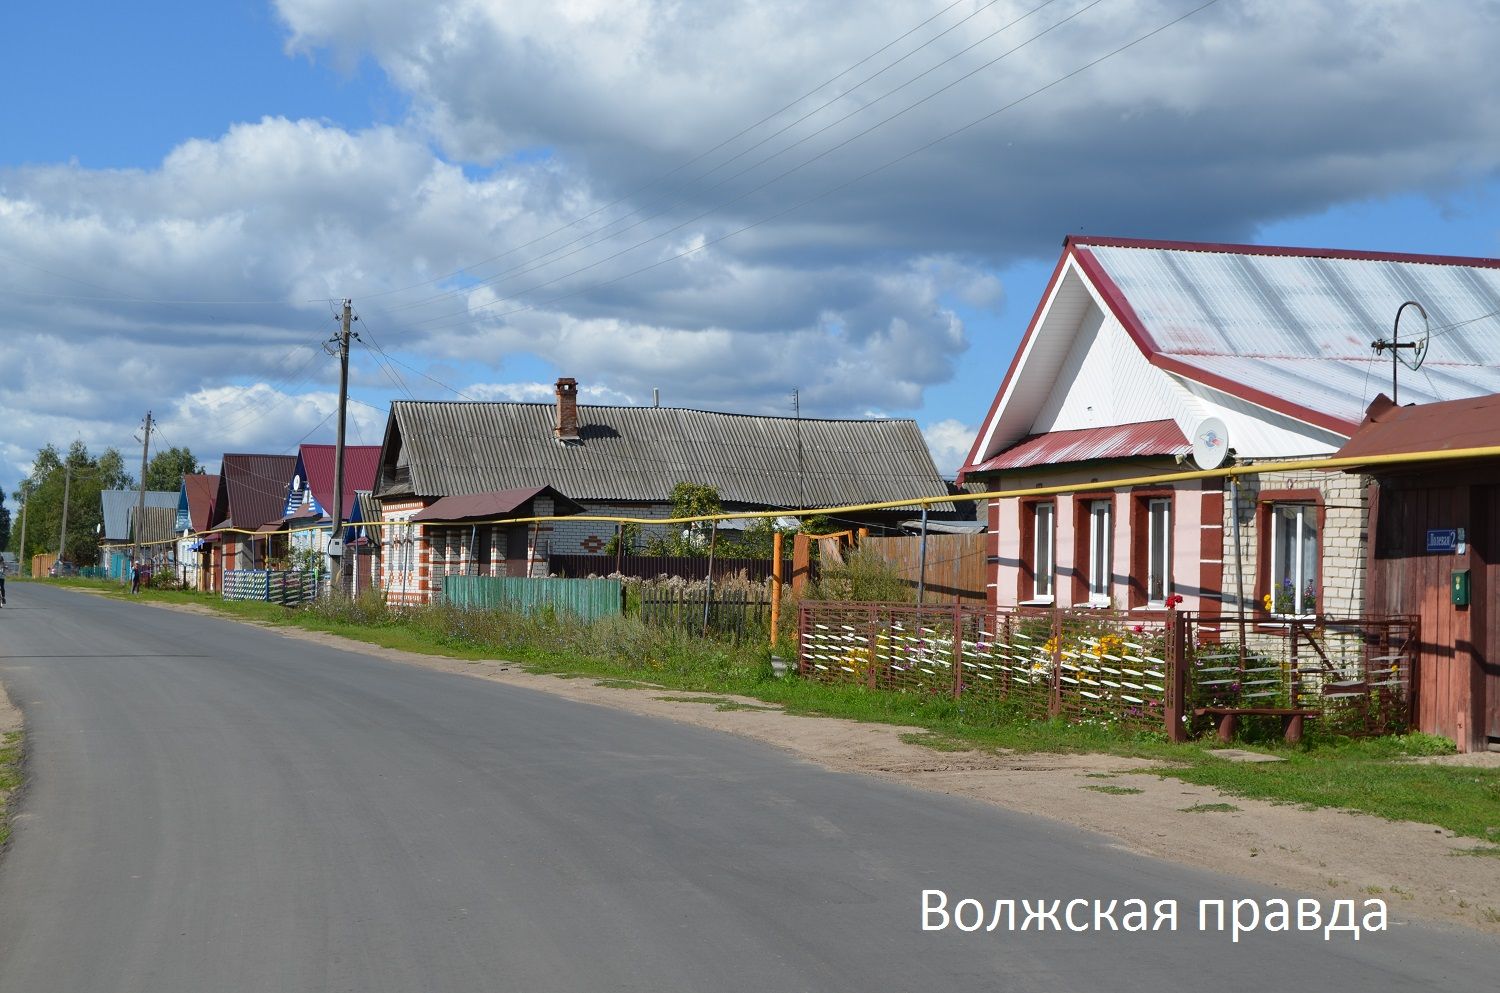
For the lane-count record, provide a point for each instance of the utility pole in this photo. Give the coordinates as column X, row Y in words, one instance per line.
column 62, row 539
column 140, row 502
column 25, row 495
column 335, row 540
column 801, row 478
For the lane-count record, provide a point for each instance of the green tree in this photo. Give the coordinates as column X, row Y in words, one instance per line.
column 167, row 467
column 83, row 477
column 4, row 524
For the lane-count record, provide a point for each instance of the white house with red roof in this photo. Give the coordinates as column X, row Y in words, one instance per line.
column 1137, row 348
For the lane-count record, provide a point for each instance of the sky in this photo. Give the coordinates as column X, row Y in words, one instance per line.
column 723, row 200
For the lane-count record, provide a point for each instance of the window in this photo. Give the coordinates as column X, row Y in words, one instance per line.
column 1294, row 559
column 1101, row 537
column 1042, row 561
column 1158, row 552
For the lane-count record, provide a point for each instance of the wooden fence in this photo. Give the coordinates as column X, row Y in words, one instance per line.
column 730, row 612
column 589, row 599
column 956, row 571
column 691, row 567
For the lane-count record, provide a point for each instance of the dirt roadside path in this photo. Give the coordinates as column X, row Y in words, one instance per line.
column 1420, row 870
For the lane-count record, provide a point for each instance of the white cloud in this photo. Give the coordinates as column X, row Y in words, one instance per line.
column 124, row 290
column 949, row 440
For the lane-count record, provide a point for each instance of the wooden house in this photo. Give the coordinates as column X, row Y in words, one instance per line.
column 1435, row 552
column 626, row 461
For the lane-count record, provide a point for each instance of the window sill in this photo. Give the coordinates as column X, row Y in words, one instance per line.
column 1037, row 602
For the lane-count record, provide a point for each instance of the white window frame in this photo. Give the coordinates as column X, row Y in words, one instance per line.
column 1043, row 549
column 1278, row 572
column 1163, row 545
column 1101, row 551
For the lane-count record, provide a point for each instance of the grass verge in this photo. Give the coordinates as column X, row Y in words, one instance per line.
column 1373, row 775
column 10, row 777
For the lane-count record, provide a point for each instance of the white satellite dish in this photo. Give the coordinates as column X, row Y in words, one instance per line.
column 1210, row 443
column 297, row 481
column 1416, row 351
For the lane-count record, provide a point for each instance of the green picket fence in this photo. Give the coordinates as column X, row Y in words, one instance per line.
column 589, row 599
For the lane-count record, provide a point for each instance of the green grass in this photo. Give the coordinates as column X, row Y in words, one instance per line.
column 1116, row 790
column 10, row 777
column 1370, row 775
column 1210, row 808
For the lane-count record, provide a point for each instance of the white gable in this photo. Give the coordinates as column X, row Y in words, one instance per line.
column 1081, row 369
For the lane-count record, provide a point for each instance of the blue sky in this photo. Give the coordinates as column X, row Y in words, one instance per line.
column 185, row 189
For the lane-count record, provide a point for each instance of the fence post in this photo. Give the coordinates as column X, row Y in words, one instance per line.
column 1175, row 708
column 1054, row 693
column 958, row 647
column 873, row 638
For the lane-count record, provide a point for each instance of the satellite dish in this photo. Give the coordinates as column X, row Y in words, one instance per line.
column 1412, row 355
column 1210, row 443
column 297, row 482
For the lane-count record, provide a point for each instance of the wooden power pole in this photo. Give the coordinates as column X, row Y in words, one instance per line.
column 336, row 538
column 140, row 502
column 62, row 538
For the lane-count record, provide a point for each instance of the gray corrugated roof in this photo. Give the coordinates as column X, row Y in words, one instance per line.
column 118, row 504
column 641, row 453
column 1297, row 325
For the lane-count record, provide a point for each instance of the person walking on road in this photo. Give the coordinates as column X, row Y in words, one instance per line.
column 2, row 586
column 135, row 576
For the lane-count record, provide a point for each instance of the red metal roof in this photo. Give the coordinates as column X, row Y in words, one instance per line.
column 497, row 503
column 200, row 496
column 1473, row 422
column 252, row 489
column 361, row 462
column 1121, row 441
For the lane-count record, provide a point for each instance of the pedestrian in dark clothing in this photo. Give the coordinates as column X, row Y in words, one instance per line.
column 2, row 586
column 135, row 577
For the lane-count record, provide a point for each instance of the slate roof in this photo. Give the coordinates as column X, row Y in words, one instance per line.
column 1291, row 328
column 252, row 489
column 640, row 453
column 156, row 525
column 117, row 506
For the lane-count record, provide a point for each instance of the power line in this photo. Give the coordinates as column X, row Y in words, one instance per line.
column 641, row 189
column 534, row 264
column 707, row 243
column 530, row 267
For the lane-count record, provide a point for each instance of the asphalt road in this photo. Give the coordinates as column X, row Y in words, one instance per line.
column 215, row 807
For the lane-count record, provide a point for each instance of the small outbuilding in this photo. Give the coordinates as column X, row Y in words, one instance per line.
column 1434, row 551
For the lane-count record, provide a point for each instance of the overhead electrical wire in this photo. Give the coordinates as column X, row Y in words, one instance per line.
column 707, row 243
column 532, row 266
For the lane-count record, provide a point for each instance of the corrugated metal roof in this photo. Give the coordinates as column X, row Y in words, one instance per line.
column 252, row 489
column 195, row 505
column 157, row 524
column 118, row 504
column 500, row 503
column 361, row 462
column 1296, row 325
column 1473, row 422
column 1091, row 444
column 641, row 453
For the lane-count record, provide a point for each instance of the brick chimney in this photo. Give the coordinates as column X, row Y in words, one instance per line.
column 567, row 409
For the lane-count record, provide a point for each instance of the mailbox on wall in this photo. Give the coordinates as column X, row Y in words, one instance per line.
column 1459, row 588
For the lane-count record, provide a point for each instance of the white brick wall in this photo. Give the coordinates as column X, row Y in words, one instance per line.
column 1342, row 543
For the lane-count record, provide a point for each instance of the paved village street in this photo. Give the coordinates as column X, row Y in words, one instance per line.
column 214, row 807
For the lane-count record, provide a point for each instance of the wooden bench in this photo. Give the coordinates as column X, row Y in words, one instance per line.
column 1291, row 719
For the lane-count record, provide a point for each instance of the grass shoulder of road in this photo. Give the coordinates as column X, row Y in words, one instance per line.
column 10, row 777
column 1374, row 776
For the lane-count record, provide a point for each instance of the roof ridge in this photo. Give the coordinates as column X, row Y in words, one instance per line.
column 1289, row 251
column 635, row 407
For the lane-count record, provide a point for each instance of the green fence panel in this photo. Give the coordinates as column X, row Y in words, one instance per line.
column 589, row 599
